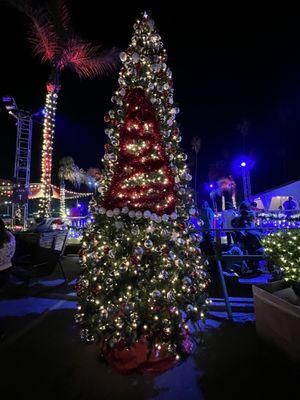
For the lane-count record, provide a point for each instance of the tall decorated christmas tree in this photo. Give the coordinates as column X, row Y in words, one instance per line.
column 142, row 277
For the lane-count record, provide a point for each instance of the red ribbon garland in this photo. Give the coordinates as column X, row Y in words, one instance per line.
column 140, row 123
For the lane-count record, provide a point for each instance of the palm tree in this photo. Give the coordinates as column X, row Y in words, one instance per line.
column 68, row 171
column 196, row 145
column 94, row 172
column 243, row 128
column 93, row 177
column 284, row 114
column 54, row 41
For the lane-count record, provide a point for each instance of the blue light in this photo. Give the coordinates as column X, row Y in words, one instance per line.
column 209, row 186
column 242, row 163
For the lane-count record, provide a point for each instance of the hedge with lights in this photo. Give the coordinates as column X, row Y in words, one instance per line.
column 283, row 248
column 142, row 275
column 278, row 217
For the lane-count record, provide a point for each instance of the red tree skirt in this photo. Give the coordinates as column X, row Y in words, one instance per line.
column 135, row 359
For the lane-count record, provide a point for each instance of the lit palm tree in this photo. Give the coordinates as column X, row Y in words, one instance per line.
column 54, row 41
column 196, row 145
column 68, row 171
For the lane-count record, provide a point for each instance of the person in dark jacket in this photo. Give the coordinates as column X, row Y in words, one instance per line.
column 7, row 251
column 207, row 215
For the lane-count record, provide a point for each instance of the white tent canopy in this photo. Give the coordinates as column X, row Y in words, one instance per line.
column 273, row 198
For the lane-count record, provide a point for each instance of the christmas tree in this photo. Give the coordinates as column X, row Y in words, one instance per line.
column 283, row 249
column 142, row 277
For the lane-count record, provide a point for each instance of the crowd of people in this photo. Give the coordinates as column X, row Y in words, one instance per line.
column 244, row 216
column 238, row 227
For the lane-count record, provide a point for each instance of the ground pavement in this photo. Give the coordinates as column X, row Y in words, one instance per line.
column 42, row 356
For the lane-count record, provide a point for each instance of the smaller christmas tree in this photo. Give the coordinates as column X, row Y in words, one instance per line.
column 142, row 276
column 283, row 249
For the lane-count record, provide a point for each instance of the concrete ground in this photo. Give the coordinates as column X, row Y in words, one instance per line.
column 42, row 356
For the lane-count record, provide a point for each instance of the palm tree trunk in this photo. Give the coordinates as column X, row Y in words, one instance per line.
column 234, row 199
column 223, row 201
column 62, row 197
column 44, row 209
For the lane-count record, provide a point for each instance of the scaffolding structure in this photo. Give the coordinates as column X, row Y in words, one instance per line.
column 21, row 184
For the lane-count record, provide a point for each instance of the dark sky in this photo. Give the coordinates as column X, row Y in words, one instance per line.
column 228, row 64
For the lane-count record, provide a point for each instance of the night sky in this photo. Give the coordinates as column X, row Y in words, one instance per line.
column 227, row 64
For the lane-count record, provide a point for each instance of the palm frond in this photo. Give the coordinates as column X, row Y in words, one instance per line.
column 94, row 172
column 52, row 39
column 196, row 144
column 69, row 171
column 41, row 32
column 42, row 36
column 20, row 5
column 87, row 60
column 60, row 16
column 62, row 13
column 84, row 177
column 243, row 127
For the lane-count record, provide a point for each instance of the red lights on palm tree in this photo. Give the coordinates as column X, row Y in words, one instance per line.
column 54, row 42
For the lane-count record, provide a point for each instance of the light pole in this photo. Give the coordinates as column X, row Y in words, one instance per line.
column 246, row 180
column 7, row 203
column 213, row 197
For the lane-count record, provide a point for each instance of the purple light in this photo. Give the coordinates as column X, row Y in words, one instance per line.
column 243, row 164
column 211, row 185
column 79, row 205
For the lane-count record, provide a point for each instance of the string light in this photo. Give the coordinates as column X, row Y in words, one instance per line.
column 47, row 147
column 283, row 249
column 141, row 249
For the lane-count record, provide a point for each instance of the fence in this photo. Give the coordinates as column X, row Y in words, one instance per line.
column 221, row 257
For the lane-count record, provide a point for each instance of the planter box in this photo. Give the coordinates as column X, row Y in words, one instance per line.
column 273, row 286
column 278, row 321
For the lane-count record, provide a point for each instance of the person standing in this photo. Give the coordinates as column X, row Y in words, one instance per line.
column 207, row 215
column 289, row 206
column 207, row 246
column 7, row 251
column 227, row 216
column 247, row 214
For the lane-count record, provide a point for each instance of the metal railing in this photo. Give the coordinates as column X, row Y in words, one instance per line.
column 219, row 256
